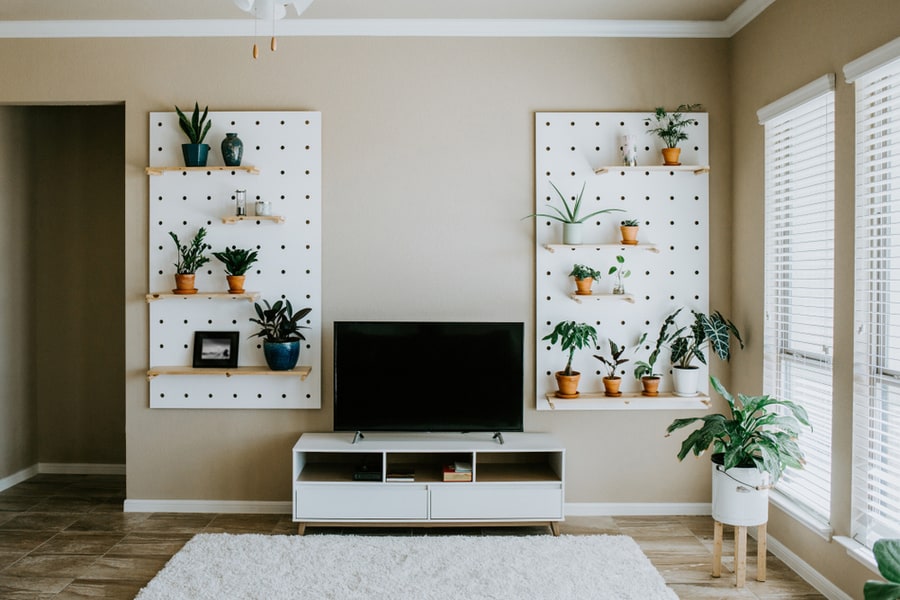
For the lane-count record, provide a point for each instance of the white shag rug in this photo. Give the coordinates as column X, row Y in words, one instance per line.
column 223, row 566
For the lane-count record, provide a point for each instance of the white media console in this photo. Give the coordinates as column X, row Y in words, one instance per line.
column 518, row 482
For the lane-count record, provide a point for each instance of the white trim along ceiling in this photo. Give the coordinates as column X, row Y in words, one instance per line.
column 14, row 25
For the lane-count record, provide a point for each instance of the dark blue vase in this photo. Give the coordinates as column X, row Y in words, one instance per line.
column 232, row 150
column 281, row 356
column 195, row 154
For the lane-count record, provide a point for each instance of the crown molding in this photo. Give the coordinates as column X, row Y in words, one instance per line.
column 743, row 14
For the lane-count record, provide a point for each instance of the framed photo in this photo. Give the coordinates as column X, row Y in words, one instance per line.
column 215, row 349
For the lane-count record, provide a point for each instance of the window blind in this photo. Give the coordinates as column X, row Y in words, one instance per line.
column 876, row 394
column 799, row 277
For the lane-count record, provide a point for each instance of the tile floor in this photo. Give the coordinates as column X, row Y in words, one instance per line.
column 66, row 537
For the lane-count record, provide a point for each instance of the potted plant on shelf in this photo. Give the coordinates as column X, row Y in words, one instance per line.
column 237, row 261
column 670, row 128
column 570, row 216
column 612, row 382
column 751, row 445
column 190, row 258
column 584, row 279
column 643, row 371
column 571, row 336
column 280, row 329
column 688, row 342
column 621, row 273
column 196, row 152
column 629, row 229
column 887, row 557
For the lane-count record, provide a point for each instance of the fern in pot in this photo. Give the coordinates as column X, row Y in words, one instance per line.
column 752, row 445
column 280, row 329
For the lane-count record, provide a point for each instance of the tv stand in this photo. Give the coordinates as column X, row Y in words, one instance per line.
column 519, row 481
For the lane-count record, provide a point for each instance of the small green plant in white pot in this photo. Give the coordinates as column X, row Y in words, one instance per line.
column 570, row 336
column 570, row 216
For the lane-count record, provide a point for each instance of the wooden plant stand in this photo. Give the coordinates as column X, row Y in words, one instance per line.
column 740, row 553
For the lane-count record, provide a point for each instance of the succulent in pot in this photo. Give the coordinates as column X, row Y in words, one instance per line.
column 570, row 336
column 612, row 381
column 237, row 261
column 570, row 216
column 584, row 279
column 670, row 127
column 196, row 152
column 629, row 229
column 190, row 258
column 280, row 329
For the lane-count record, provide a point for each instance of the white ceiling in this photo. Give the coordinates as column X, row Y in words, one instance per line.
column 584, row 18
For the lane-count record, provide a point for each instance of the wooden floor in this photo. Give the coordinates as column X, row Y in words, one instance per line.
column 65, row 536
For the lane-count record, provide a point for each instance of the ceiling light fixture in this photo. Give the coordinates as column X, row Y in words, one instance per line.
column 270, row 10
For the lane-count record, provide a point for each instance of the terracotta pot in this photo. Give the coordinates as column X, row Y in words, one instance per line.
column 650, row 385
column 584, row 286
column 629, row 234
column 567, row 384
column 671, row 156
column 184, row 283
column 611, row 384
column 235, row 284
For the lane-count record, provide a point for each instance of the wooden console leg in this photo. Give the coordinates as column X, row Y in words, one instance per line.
column 301, row 528
column 554, row 528
column 761, row 553
column 740, row 555
column 717, row 550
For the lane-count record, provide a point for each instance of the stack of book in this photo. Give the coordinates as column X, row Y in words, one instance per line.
column 401, row 473
column 458, row 471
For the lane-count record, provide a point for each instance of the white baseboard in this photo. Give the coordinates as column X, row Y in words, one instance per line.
column 610, row 509
column 81, row 469
column 209, row 506
column 805, row 570
column 19, row 477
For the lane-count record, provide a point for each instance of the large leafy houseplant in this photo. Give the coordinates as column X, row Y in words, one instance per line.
column 688, row 342
column 752, row 434
column 887, row 555
column 278, row 322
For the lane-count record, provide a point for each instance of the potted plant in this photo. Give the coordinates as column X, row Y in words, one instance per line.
column 612, row 382
column 195, row 128
column 887, row 556
column 670, row 128
column 190, row 258
column 571, row 336
column 751, row 445
column 236, row 261
column 280, row 329
column 584, row 279
column 621, row 273
column 689, row 342
column 629, row 229
column 643, row 371
column 570, row 217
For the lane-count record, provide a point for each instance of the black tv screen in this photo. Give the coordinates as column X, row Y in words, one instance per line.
column 427, row 376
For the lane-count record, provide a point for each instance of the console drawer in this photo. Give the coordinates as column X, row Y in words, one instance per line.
column 501, row 502
column 360, row 501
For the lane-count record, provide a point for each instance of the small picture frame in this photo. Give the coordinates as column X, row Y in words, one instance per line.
column 215, row 349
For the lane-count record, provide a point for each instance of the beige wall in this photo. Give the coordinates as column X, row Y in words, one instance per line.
column 18, row 447
column 789, row 45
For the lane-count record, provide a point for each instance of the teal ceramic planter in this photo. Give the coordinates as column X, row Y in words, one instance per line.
column 195, row 154
column 281, row 356
column 232, row 150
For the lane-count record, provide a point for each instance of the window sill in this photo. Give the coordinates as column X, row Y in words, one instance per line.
column 858, row 552
column 812, row 522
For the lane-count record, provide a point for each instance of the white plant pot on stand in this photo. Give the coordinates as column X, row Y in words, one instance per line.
column 740, row 496
column 684, row 380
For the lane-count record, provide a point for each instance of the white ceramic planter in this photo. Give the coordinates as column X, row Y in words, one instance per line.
column 740, row 496
column 684, row 381
column 572, row 233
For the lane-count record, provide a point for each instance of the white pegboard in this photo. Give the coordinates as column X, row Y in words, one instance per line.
column 285, row 147
column 670, row 265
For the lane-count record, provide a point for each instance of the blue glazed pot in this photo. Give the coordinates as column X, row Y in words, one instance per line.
column 281, row 356
column 232, row 150
column 195, row 154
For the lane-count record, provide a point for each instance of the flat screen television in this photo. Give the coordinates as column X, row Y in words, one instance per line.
column 428, row 376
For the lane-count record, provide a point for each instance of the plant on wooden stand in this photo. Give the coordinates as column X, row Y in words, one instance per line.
column 629, row 229
column 753, row 445
column 612, row 381
column 584, row 279
column 280, row 329
column 670, row 128
column 196, row 152
column 570, row 217
column 237, row 261
column 570, row 336
column 190, row 258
